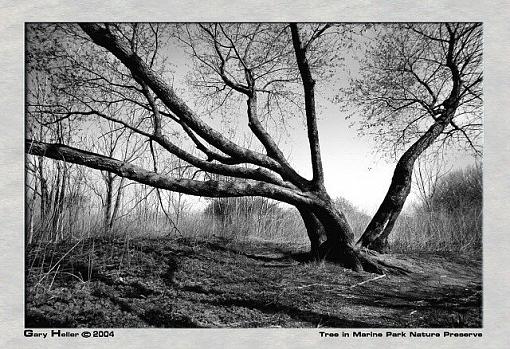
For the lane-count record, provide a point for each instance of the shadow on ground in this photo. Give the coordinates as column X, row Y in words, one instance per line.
column 185, row 283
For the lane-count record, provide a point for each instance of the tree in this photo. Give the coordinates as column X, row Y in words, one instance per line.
column 420, row 85
column 253, row 173
column 109, row 144
column 117, row 73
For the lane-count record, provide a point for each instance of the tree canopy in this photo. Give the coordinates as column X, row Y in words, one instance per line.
column 405, row 80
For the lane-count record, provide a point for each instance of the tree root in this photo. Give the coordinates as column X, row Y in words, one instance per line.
column 379, row 245
column 363, row 259
column 374, row 262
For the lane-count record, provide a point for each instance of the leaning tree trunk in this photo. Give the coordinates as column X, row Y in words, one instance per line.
column 331, row 237
column 376, row 234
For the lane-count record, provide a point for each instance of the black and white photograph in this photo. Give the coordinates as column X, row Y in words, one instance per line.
column 253, row 175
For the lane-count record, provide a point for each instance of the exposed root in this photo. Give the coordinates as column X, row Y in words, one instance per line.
column 382, row 263
column 363, row 260
column 343, row 255
column 370, row 265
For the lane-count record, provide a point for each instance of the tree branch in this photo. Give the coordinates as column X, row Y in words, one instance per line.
column 103, row 37
column 209, row 188
column 272, row 149
column 311, row 119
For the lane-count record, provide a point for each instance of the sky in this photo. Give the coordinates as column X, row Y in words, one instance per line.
column 353, row 169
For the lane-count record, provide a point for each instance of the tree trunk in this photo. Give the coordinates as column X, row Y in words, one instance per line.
column 108, row 203
column 54, row 201
column 315, row 231
column 376, row 234
column 44, row 192
column 29, row 214
column 118, row 200
column 331, row 237
column 338, row 246
column 60, row 210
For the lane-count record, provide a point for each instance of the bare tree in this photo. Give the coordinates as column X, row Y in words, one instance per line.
column 110, row 143
column 253, row 173
column 420, row 86
column 117, row 73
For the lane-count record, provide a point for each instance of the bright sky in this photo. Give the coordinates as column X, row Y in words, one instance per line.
column 353, row 170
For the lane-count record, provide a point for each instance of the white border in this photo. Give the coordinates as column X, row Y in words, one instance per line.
column 496, row 315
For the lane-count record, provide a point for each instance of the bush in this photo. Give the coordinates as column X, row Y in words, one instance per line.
column 254, row 217
column 459, row 191
column 454, row 222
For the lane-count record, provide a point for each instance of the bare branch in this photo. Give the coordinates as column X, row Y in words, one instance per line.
column 105, row 38
column 186, row 186
column 311, row 119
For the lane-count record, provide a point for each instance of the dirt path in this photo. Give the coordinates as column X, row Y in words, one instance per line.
column 170, row 283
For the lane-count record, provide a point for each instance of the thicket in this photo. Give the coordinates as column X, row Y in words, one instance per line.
column 448, row 219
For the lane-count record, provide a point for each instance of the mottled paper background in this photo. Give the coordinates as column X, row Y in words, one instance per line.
column 494, row 15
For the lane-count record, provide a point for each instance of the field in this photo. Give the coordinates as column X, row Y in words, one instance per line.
column 244, row 263
column 184, row 282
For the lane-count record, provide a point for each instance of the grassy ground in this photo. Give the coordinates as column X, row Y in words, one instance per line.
column 190, row 283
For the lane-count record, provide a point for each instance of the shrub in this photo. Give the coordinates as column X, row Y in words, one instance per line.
column 459, row 191
column 452, row 223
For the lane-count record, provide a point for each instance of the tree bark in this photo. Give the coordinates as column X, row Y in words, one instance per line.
column 376, row 234
column 117, row 204
column 317, row 209
column 311, row 118
column 331, row 238
column 108, row 203
column 377, row 231
column 209, row 188
column 44, row 192
column 315, row 231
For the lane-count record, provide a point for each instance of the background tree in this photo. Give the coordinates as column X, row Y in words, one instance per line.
column 110, row 143
column 420, row 86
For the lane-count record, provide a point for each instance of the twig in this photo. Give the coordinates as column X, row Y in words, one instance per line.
column 54, row 276
column 364, row 282
column 60, row 260
column 305, row 286
column 73, row 275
